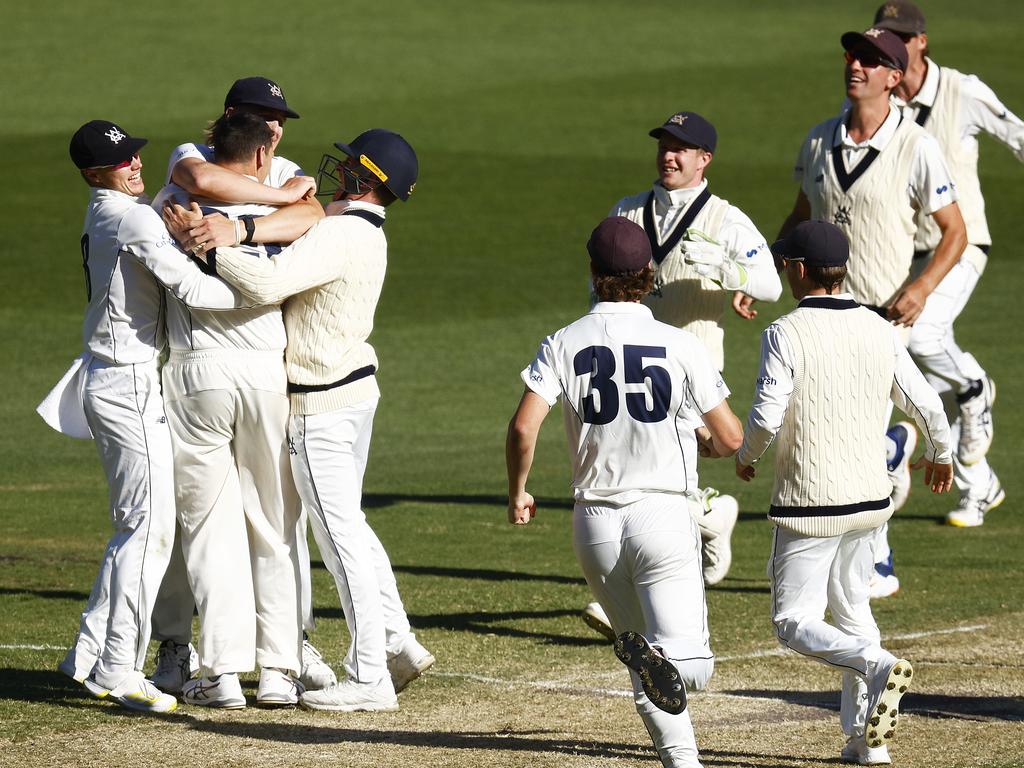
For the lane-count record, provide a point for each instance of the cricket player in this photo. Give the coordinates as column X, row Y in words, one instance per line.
column 332, row 278
column 955, row 108
column 289, row 190
column 871, row 171
column 828, row 371
column 112, row 394
column 226, row 400
column 704, row 249
column 634, row 388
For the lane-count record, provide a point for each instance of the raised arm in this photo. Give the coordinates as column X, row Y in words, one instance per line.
column 520, row 445
column 205, row 179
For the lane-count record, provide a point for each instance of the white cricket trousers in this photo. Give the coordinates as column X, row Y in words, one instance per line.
column 809, row 575
column 643, row 564
column 237, row 510
column 329, row 454
column 126, row 415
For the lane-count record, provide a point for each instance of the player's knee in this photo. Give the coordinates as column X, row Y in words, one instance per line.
column 786, row 628
column 696, row 673
column 925, row 341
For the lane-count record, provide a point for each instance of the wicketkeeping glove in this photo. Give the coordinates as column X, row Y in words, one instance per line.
column 710, row 259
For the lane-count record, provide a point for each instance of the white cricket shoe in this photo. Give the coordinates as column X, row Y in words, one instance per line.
column 970, row 513
column 277, row 689
column 223, row 692
column 720, row 515
column 904, row 435
column 883, row 581
column 595, row 618
column 976, row 424
column 135, row 692
column 77, row 664
column 886, row 687
column 857, row 751
column 175, row 665
column 409, row 663
column 349, row 695
column 315, row 673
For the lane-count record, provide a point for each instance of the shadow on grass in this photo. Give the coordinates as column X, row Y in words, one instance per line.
column 1010, row 708
column 383, row 500
column 47, row 594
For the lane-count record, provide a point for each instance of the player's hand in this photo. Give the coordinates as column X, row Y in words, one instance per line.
column 213, row 231
column 711, row 260
column 938, row 476
column 908, row 305
column 745, row 472
column 179, row 220
column 705, row 445
column 521, row 508
column 742, row 305
column 299, row 188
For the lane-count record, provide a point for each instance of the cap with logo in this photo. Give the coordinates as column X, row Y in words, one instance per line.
column 690, row 128
column 887, row 44
column 388, row 157
column 618, row 246
column 101, row 143
column 900, row 16
column 816, row 243
column 258, row 92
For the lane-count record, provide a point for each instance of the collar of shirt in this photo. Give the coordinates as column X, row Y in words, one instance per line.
column 878, row 141
column 100, row 193
column 343, row 205
column 840, row 296
column 674, row 198
column 925, row 96
column 620, row 308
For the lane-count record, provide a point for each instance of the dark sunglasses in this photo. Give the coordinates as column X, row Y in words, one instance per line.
column 869, row 59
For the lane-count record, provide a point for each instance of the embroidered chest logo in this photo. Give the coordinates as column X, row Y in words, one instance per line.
column 114, row 134
column 275, row 90
column 842, row 215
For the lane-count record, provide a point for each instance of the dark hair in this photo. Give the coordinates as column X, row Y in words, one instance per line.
column 632, row 286
column 828, row 278
column 237, row 136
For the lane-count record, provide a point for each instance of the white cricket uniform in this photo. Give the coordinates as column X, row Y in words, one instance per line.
column 226, row 399
column 172, row 614
column 633, row 388
column 871, row 191
column 828, row 370
column 332, row 279
column 681, row 296
column 955, row 108
column 114, row 387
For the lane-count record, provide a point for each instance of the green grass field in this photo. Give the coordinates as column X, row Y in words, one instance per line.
column 530, row 120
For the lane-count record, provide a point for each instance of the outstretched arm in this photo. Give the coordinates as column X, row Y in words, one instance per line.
column 204, row 179
column 520, row 445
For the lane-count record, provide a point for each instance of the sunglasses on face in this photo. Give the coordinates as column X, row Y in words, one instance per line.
column 868, row 59
column 124, row 164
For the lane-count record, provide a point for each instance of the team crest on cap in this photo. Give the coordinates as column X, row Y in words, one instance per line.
column 890, row 11
column 115, row 134
column 678, row 119
column 412, row 187
column 275, row 90
column 873, row 32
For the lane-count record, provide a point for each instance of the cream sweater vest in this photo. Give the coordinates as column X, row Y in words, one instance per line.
column 873, row 211
column 830, row 471
column 943, row 122
column 681, row 296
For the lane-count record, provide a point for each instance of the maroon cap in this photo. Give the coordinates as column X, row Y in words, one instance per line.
column 887, row 44
column 617, row 246
column 900, row 16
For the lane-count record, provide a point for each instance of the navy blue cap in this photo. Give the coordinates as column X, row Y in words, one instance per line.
column 618, row 246
column 886, row 43
column 100, row 143
column 388, row 157
column 690, row 128
column 258, row 92
column 816, row 243
column 901, row 16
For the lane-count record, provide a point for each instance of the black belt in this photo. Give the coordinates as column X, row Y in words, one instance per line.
column 356, row 375
column 924, row 254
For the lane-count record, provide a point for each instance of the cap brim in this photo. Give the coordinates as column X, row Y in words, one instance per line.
column 677, row 132
column 778, row 248
column 131, row 147
column 346, row 149
column 289, row 113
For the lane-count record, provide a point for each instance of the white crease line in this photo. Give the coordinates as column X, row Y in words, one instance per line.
column 33, row 648
column 551, row 685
